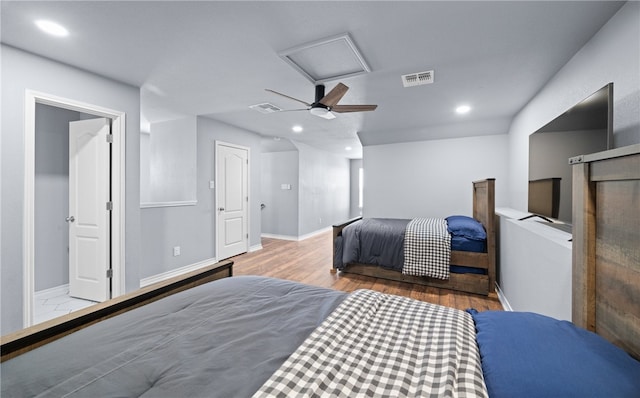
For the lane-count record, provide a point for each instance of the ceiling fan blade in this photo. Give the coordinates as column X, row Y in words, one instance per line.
column 334, row 95
column 353, row 108
column 286, row 96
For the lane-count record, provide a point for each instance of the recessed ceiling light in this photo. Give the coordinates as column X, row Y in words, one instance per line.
column 297, row 129
column 462, row 109
column 52, row 28
column 348, row 148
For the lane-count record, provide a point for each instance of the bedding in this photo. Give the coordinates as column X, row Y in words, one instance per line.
column 427, row 248
column 380, row 241
column 532, row 355
column 220, row 339
column 247, row 335
column 408, row 348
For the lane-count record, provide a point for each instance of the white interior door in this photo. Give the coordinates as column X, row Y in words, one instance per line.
column 232, row 200
column 89, row 217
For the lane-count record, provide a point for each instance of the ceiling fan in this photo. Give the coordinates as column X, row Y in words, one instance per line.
column 324, row 106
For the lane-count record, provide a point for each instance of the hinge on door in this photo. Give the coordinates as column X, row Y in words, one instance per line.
column 247, row 236
column 110, row 138
column 109, row 273
column 109, row 206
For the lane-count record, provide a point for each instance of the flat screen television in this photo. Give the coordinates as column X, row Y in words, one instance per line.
column 585, row 128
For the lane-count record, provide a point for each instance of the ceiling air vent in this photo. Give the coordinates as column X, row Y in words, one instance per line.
column 265, row 108
column 417, row 79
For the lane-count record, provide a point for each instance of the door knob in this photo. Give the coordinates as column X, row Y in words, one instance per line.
column 221, row 209
column 70, row 219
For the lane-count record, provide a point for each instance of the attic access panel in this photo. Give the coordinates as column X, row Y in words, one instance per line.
column 333, row 58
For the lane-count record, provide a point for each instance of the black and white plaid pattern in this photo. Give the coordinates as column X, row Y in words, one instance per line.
column 427, row 248
column 380, row 345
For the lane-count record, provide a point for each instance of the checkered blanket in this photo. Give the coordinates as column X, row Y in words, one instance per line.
column 427, row 248
column 380, row 345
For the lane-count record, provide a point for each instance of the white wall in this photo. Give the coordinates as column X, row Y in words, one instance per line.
column 431, row 178
column 612, row 55
column 22, row 71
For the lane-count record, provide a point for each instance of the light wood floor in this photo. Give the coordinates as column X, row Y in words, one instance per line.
column 309, row 261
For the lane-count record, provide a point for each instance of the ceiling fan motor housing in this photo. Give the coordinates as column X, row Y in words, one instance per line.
column 319, row 93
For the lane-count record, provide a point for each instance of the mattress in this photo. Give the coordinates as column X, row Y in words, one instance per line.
column 185, row 345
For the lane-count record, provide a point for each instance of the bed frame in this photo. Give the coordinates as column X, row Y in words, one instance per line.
column 33, row 337
column 606, row 245
column 483, row 211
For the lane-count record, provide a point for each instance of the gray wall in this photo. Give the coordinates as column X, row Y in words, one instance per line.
column 51, row 262
column 21, row 71
column 431, row 178
column 612, row 55
column 193, row 227
column 169, row 168
column 323, row 189
column 354, row 208
column 280, row 215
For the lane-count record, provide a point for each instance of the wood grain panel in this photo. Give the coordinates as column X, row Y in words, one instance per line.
column 606, row 246
column 617, row 250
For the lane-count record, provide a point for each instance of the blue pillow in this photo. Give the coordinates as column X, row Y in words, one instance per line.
column 465, row 226
column 531, row 355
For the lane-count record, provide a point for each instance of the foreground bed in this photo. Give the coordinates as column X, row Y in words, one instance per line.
column 473, row 260
column 241, row 336
column 255, row 336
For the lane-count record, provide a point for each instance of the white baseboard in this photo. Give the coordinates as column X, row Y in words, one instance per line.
column 255, row 248
column 314, row 233
column 297, row 238
column 51, row 292
column 503, row 299
column 175, row 272
column 282, row 237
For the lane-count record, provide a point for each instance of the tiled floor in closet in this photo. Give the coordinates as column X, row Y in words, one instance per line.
column 53, row 303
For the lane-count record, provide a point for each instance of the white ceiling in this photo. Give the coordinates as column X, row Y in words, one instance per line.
column 215, row 58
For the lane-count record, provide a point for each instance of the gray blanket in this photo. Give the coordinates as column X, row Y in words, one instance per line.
column 221, row 339
column 376, row 241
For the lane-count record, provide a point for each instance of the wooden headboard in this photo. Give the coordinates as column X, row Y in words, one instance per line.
column 484, row 210
column 606, row 245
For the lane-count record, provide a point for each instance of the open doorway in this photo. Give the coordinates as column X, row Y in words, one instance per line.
column 52, row 178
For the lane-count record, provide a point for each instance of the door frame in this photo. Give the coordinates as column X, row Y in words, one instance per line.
column 217, row 145
column 118, row 124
